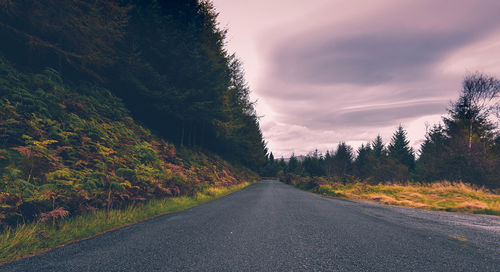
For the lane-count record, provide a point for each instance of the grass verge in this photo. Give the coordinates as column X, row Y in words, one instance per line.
column 438, row 196
column 29, row 239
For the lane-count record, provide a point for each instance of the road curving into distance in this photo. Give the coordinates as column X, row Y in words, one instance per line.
column 270, row 226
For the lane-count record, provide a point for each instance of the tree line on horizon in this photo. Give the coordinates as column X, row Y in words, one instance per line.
column 464, row 147
column 164, row 58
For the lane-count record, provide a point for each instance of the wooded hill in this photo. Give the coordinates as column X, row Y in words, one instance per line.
column 164, row 58
column 107, row 103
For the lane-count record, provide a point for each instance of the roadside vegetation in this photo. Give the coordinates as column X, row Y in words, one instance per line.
column 437, row 196
column 68, row 150
column 36, row 237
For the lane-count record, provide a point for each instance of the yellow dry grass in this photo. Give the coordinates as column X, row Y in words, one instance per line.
column 441, row 196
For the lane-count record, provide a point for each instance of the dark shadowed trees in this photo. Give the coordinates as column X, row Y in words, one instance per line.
column 329, row 163
column 378, row 147
column 314, row 164
column 400, row 150
column 433, row 163
column 293, row 164
column 343, row 159
column 471, row 132
column 365, row 162
column 79, row 37
column 165, row 58
column 478, row 99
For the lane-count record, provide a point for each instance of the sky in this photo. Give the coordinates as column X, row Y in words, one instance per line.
column 330, row 71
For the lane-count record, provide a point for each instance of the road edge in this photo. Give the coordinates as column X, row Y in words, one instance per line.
column 120, row 227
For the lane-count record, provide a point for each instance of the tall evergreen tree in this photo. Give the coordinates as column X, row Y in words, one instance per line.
column 314, row 164
column 329, row 163
column 400, row 149
column 378, row 147
column 343, row 159
column 365, row 163
column 433, row 163
column 282, row 165
column 293, row 164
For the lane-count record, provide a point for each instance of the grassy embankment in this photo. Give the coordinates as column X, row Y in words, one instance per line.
column 437, row 196
column 37, row 237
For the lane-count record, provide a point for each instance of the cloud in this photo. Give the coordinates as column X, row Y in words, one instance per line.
column 380, row 116
column 366, row 59
column 363, row 74
column 395, row 45
column 327, row 71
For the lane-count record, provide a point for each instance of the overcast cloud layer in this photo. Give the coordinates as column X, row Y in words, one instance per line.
column 331, row 71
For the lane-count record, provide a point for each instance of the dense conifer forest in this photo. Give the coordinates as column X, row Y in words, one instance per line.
column 107, row 103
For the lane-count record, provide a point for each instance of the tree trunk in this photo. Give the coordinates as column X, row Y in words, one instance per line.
column 470, row 135
column 182, row 134
column 202, row 134
column 193, row 140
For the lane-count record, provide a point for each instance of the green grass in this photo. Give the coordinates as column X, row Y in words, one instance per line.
column 439, row 196
column 37, row 237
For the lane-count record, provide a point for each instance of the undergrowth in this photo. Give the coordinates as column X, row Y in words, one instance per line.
column 438, row 196
column 67, row 149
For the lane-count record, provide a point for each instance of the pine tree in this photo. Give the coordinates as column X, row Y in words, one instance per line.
column 314, row 164
column 433, row 163
column 282, row 164
column 293, row 164
column 343, row 159
column 400, row 150
column 378, row 147
column 365, row 162
column 271, row 158
column 329, row 163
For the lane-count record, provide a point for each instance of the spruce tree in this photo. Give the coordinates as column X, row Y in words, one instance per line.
column 378, row 147
column 343, row 159
column 329, row 163
column 271, row 158
column 293, row 164
column 400, row 149
column 365, row 162
column 433, row 163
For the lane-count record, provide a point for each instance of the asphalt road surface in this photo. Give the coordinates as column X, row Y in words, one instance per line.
column 271, row 226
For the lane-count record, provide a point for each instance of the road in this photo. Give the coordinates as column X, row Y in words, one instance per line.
column 270, row 226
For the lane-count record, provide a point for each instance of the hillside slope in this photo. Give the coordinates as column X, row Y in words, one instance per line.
column 166, row 60
column 72, row 148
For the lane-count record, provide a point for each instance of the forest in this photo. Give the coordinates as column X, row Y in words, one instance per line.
column 164, row 58
column 109, row 103
column 465, row 146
